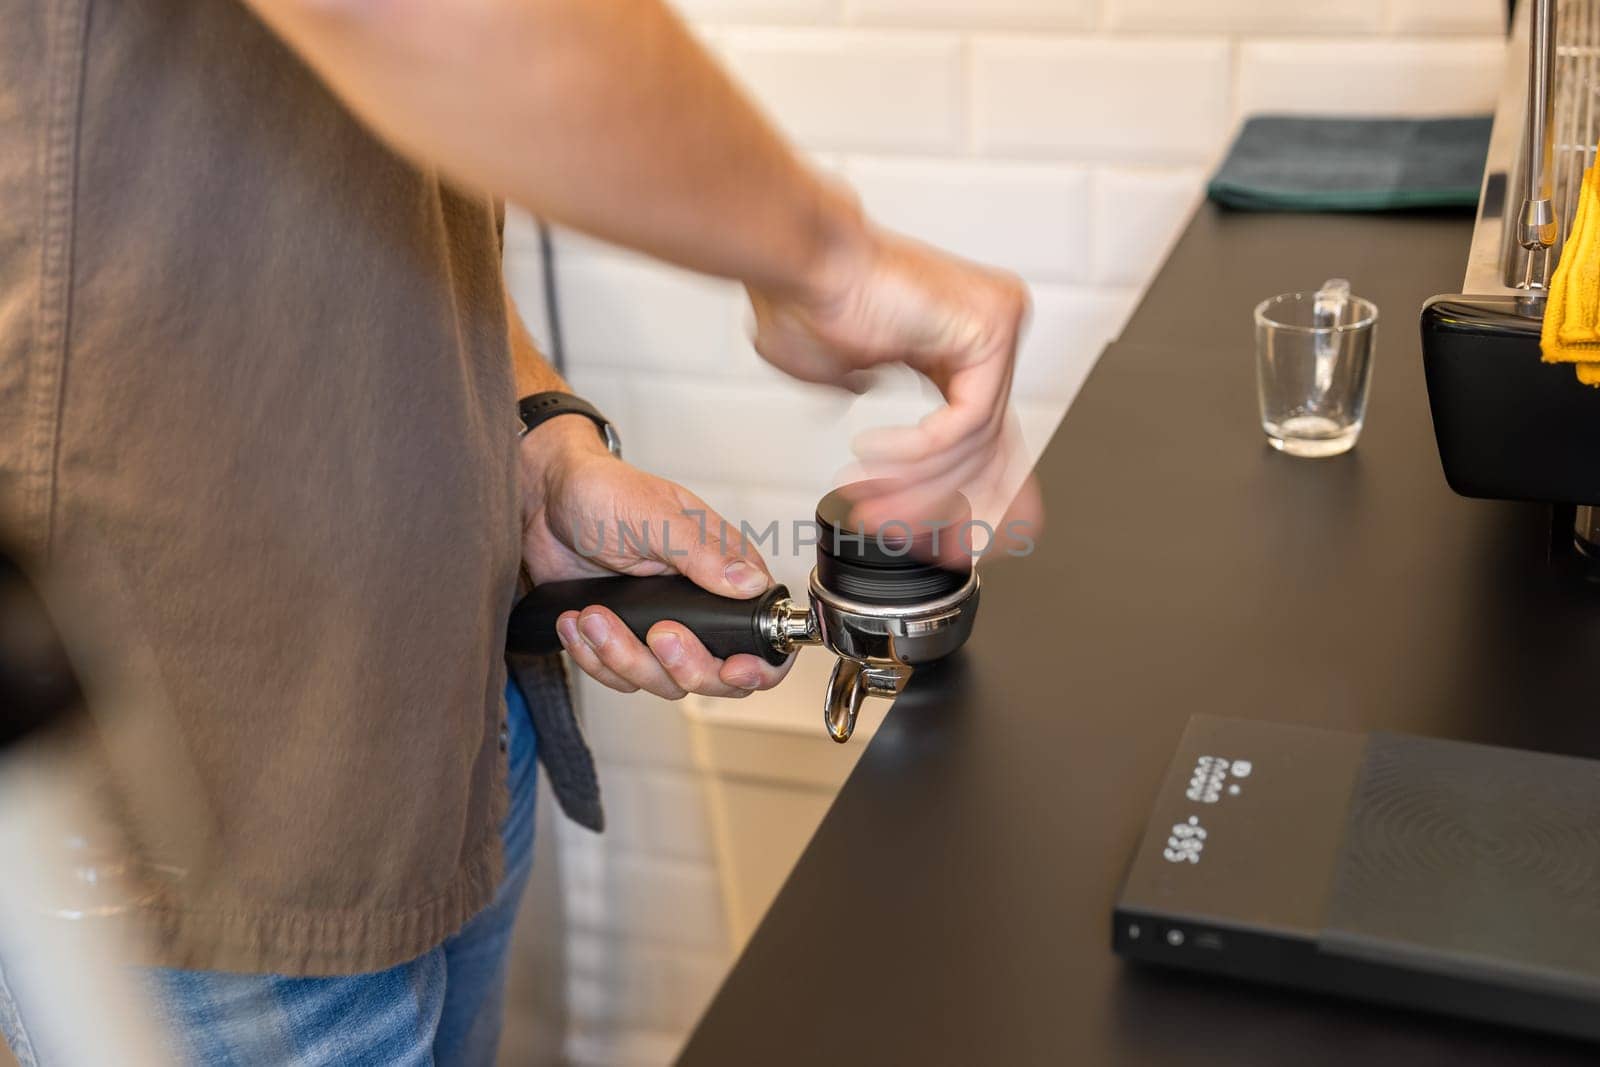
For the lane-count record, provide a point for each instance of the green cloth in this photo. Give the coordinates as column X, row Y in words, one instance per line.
column 1292, row 163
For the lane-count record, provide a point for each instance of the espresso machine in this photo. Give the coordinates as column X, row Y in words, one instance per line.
column 884, row 602
column 1508, row 426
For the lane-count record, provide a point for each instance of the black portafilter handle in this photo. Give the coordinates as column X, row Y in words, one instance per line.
column 724, row 625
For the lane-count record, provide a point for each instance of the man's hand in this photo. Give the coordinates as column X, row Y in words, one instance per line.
column 576, row 496
column 880, row 298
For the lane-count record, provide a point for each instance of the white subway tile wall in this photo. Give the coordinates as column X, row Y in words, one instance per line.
column 639, row 315
column 1136, row 214
column 1162, row 99
column 983, row 14
column 790, row 12
column 1066, row 140
column 1361, row 76
column 854, row 89
column 1447, row 16
column 1248, row 16
column 1028, row 216
column 1069, row 326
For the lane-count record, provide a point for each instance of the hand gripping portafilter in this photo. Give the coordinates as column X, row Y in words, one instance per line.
column 876, row 600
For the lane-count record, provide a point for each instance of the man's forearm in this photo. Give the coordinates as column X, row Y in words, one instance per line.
column 603, row 115
column 532, row 371
column 552, row 446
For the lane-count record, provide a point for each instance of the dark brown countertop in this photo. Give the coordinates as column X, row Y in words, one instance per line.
column 954, row 906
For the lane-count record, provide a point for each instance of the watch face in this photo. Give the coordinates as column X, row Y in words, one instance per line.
column 613, row 439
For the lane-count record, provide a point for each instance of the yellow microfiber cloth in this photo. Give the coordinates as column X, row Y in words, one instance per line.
column 1571, row 331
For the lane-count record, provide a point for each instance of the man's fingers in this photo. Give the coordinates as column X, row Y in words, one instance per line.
column 804, row 360
column 937, row 473
column 586, row 658
column 692, row 667
column 604, row 642
column 669, row 663
column 975, row 407
column 711, row 557
column 752, row 672
column 791, row 344
column 994, row 477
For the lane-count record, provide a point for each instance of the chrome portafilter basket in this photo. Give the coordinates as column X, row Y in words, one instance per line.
column 878, row 601
column 877, row 644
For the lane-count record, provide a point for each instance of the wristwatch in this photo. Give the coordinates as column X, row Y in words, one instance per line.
column 541, row 407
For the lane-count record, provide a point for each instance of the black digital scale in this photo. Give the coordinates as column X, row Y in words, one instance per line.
column 1422, row 873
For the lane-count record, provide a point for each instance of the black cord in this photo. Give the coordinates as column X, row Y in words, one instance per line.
column 552, row 300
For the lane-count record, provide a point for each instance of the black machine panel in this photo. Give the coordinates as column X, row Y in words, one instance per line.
column 1508, row 426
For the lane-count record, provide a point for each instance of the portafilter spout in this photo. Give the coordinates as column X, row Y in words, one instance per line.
column 883, row 602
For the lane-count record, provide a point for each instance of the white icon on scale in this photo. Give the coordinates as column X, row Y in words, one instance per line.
column 1186, row 842
column 1209, row 780
column 1205, row 783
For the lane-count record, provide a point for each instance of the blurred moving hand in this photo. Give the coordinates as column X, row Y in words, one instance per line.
column 882, row 298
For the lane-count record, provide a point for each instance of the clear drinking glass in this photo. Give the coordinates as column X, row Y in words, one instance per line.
column 1313, row 368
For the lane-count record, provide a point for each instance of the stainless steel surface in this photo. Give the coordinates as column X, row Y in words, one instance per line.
column 878, row 644
column 790, row 625
column 852, row 682
column 1537, row 221
column 902, row 634
column 1545, row 127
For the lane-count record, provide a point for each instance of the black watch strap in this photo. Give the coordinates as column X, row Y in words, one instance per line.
column 542, row 407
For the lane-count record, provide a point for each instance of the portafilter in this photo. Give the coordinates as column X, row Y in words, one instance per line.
column 882, row 601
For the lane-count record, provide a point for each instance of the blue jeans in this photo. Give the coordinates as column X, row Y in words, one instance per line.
column 443, row 1008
